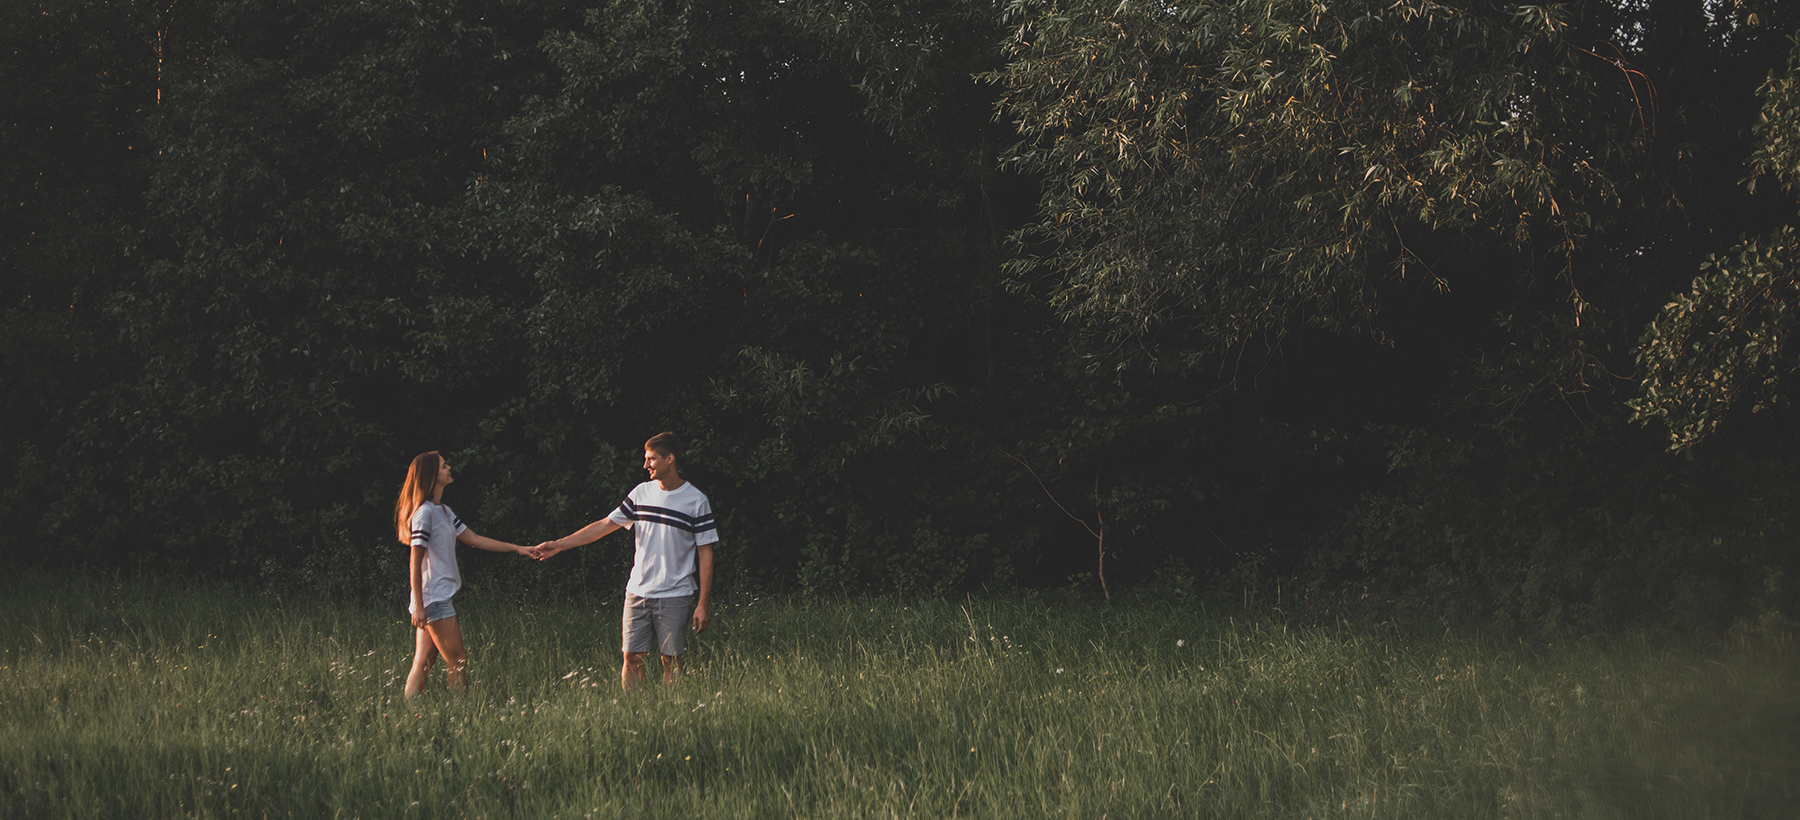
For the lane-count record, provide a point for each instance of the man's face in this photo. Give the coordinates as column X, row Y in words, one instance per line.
column 660, row 466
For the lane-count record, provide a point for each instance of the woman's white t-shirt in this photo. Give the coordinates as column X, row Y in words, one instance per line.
column 435, row 528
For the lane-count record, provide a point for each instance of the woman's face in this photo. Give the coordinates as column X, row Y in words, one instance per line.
column 443, row 476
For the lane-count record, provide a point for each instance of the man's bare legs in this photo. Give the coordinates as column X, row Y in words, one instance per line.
column 631, row 674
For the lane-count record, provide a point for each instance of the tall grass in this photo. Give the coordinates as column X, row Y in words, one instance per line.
column 130, row 700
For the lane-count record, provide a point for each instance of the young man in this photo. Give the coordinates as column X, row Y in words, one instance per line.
column 671, row 575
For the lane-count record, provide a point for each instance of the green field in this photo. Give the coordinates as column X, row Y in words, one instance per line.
column 135, row 701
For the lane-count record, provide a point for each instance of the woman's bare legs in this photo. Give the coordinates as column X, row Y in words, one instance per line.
column 443, row 637
column 424, row 655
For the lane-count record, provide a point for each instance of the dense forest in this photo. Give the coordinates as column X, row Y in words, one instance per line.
column 1475, row 309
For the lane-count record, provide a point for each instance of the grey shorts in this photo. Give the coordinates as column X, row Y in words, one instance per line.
column 438, row 611
column 667, row 617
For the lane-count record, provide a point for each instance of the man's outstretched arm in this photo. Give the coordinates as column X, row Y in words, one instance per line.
column 586, row 535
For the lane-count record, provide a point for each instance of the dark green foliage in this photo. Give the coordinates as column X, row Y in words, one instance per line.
column 720, row 242
column 1517, row 186
column 1566, row 535
column 82, row 76
column 1724, row 342
column 1247, row 167
column 311, row 317
column 532, row 240
column 290, row 246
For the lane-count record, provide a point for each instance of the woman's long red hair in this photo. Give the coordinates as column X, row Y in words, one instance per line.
column 421, row 482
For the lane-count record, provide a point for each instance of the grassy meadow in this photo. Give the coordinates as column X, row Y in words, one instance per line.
column 133, row 700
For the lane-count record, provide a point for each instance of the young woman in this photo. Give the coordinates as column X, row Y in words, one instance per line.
column 422, row 520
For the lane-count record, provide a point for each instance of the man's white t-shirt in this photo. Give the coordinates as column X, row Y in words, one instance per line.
column 667, row 526
column 435, row 528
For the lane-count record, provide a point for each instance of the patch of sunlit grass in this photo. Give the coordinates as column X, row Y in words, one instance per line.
column 131, row 700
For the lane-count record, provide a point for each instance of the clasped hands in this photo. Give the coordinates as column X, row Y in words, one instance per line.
column 543, row 550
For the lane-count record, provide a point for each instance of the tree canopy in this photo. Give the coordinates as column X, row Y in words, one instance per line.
column 1724, row 341
column 946, row 294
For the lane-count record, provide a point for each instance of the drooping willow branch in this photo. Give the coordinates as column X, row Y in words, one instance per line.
column 1097, row 529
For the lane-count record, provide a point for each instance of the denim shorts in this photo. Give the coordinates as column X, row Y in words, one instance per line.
column 439, row 611
column 667, row 617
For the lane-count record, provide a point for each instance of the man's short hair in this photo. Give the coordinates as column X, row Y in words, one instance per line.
column 665, row 443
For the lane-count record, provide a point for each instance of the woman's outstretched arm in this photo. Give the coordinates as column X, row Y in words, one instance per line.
column 482, row 542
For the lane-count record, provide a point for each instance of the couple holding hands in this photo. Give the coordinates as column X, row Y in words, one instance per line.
column 671, row 574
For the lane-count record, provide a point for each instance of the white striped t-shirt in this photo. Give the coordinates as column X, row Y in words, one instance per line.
column 668, row 525
column 435, row 528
